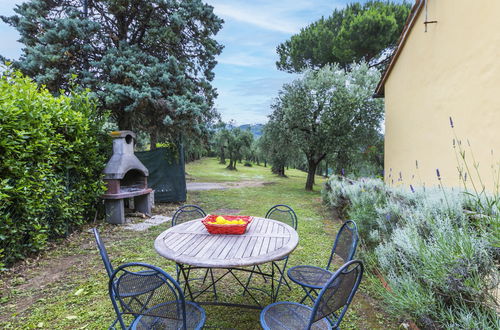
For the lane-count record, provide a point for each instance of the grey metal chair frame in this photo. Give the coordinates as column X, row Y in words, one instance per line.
column 139, row 294
column 198, row 212
column 310, row 289
column 294, row 222
column 321, row 310
column 188, row 208
column 105, row 260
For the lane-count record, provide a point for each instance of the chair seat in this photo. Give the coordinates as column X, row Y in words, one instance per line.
column 289, row 315
column 309, row 276
column 164, row 316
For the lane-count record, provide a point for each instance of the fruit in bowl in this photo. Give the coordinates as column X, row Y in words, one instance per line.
column 220, row 220
column 226, row 224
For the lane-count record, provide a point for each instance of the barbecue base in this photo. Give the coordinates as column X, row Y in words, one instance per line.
column 115, row 207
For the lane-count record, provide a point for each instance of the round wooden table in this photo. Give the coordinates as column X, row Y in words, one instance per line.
column 190, row 243
column 264, row 241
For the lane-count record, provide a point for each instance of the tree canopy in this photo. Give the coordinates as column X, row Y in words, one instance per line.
column 233, row 143
column 276, row 141
column 329, row 112
column 354, row 33
column 150, row 62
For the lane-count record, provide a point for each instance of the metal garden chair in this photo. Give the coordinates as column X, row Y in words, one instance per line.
column 187, row 213
column 146, row 297
column 313, row 278
column 107, row 264
column 103, row 252
column 285, row 214
column 329, row 308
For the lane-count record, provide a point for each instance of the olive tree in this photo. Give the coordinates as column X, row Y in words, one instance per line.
column 330, row 112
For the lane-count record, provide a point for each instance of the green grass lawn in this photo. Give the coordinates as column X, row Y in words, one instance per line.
column 66, row 288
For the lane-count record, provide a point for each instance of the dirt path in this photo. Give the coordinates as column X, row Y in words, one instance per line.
column 199, row 186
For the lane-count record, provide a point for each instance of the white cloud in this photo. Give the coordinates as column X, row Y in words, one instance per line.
column 261, row 18
column 246, row 60
column 283, row 16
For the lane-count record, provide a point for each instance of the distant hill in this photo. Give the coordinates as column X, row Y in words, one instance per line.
column 256, row 129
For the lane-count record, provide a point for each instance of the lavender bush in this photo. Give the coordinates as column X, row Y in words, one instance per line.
column 434, row 247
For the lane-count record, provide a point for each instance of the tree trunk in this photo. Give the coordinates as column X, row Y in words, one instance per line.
column 232, row 164
column 124, row 122
column 222, row 156
column 153, row 140
column 310, row 174
column 265, row 163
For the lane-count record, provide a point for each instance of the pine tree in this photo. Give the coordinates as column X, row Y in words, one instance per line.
column 149, row 62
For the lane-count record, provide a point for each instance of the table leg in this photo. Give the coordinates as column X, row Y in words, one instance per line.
column 193, row 296
column 186, row 280
column 273, row 298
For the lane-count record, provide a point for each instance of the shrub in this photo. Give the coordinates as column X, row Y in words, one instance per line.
column 50, row 164
column 437, row 259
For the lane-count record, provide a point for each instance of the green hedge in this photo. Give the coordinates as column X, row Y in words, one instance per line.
column 50, row 164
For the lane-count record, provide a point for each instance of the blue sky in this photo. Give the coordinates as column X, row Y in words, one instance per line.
column 246, row 77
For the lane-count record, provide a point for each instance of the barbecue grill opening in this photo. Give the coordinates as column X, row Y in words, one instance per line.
column 133, row 180
column 129, row 139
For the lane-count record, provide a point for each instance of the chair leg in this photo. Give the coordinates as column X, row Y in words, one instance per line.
column 248, row 280
column 282, row 277
column 205, row 276
column 178, row 272
column 250, row 277
column 308, row 294
column 260, row 270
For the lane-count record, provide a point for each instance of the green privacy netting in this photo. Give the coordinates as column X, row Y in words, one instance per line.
column 166, row 173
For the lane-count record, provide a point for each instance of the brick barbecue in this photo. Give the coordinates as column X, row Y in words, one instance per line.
column 125, row 177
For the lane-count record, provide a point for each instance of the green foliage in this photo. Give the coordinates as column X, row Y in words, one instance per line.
column 438, row 260
column 329, row 112
column 149, row 62
column 276, row 142
column 50, row 166
column 479, row 201
column 354, row 33
column 233, row 143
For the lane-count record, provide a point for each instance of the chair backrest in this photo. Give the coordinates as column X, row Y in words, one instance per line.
column 345, row 243
column 187, row 213
column 103, row 252
column 139, row 289
column 283, row 213
column 337, row 294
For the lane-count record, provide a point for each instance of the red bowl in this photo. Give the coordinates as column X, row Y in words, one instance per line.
column 236, row 229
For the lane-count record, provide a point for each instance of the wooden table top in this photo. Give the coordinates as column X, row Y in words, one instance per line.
column 190, row 243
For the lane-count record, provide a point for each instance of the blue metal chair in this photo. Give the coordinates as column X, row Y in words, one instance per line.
column 107, row 263
column 285, row 214
column 313, row 278
column 187, row 213
column 328, row 310
column 146, row 297
column 103, row 252
column 105, row 260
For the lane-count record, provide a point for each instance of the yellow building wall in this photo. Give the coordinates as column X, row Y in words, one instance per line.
column 452, row 70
